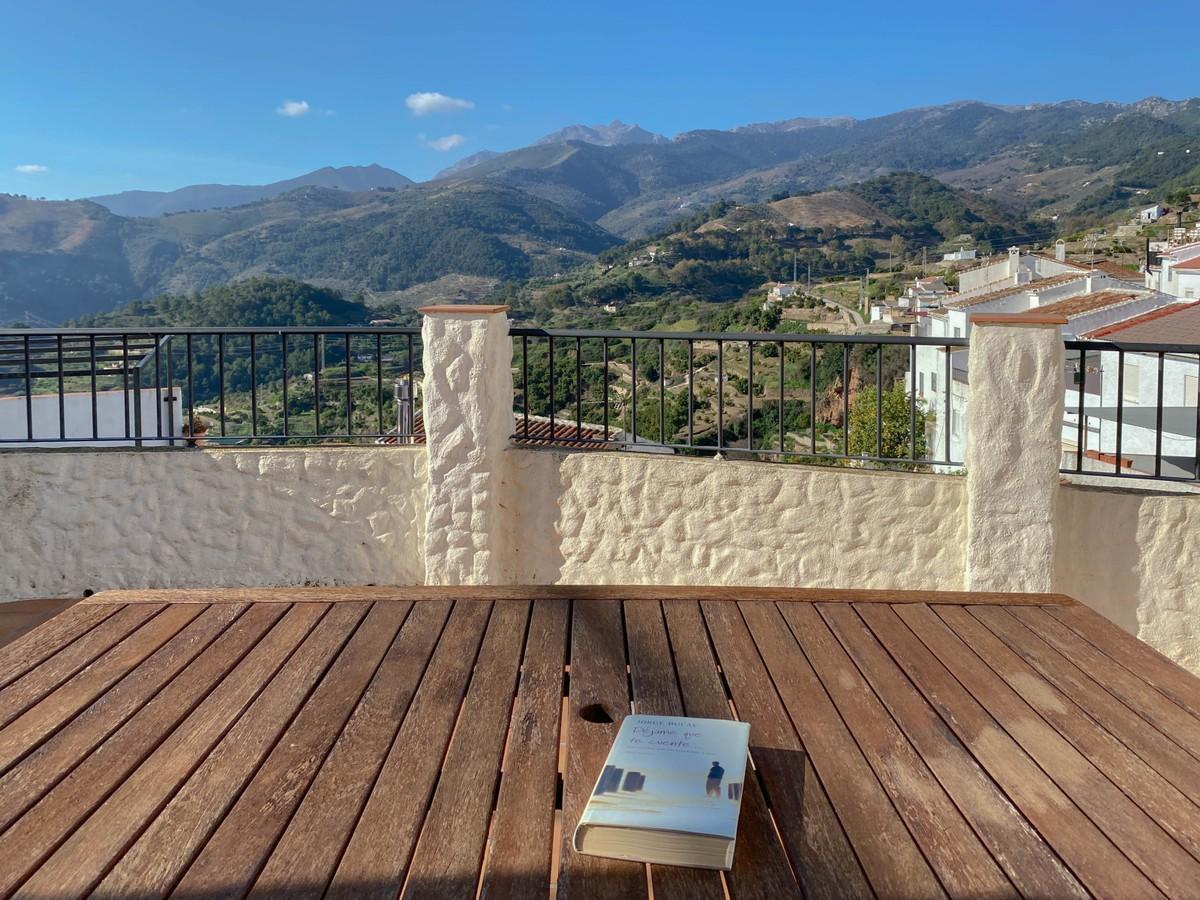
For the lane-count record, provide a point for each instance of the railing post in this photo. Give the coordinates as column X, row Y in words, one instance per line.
column 1014, row 449
column 467, row 410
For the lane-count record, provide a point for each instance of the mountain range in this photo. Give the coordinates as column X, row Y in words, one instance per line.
column 542, row 208
column 214, row 196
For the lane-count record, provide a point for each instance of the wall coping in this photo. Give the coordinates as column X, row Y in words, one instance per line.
column 464, row 309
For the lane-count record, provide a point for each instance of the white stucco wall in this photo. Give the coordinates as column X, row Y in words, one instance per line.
column 76, row 520
column 613, row 518
column 1132, row 555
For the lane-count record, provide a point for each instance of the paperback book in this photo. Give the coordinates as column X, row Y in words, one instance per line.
column 670, row 793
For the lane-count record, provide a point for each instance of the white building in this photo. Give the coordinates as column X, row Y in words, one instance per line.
column 959, row 255
column 1134, row 377
column 80, row 422
column 1087, row 299
column 1177, row 272
column 780, row 292
column 1016, row 268
column 1151, row 213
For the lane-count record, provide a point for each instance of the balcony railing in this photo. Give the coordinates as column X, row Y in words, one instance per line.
column 788, row 397
column 179, row 387
column 1132, row 410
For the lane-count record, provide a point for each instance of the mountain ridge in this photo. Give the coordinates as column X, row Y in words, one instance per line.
column 199, row 197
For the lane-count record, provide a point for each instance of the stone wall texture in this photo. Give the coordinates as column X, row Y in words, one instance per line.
column 468, row 419
column 613, row 518
column 76, row 520
column 1014, row 423
column 1133, row 555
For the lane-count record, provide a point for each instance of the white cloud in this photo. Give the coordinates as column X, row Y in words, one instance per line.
column 449, row 142
column 293, row 108
column 425, row 102
column 31, row 168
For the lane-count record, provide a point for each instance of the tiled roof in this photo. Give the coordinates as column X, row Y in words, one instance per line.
column 1117, row 270
column 1193, row 263
column 1086, row 303
column 1011, row 289
column 538, row 434
column 1062, row 262
column 1178, row 323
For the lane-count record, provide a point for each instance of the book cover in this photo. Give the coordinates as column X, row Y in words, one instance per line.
column 670, row 774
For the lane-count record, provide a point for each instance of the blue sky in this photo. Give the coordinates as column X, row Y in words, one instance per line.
column 103, row 97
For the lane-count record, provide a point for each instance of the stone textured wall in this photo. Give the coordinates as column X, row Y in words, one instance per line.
column 468, row 419
column 612, row 518
column 89, row 520
column 1014, row 421
column 1133, row 555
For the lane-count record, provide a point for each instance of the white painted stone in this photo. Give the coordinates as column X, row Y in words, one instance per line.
column 468, row 416
column 1132, row 554
column 1012, row 459
column 628, row 518
column 76, row 520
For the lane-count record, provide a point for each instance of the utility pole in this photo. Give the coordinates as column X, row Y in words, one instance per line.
column 924, row 260
column 793, row 267
column 810, row 277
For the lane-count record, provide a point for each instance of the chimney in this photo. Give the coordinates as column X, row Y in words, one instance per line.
column 1014, row 263
column 404, row 412
column 1060, row 250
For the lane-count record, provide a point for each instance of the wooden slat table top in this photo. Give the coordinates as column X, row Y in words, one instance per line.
column 441, row 742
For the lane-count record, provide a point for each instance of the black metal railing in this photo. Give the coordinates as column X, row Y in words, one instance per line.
column 182, row 387
column 1131, row 410
column 791, row 397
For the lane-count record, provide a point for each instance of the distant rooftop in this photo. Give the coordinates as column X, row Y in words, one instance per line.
column 1178, row 323
column 1088, row 303
column 1011, row 289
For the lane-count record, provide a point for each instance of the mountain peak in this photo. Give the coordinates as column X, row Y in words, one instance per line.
column 615, row 133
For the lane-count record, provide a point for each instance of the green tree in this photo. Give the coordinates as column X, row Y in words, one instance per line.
column 896, row 424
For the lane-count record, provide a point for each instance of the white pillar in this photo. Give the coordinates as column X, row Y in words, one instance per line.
column 467, row 409
column 1014, row 449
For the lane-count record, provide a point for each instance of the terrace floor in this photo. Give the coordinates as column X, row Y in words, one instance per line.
column 442, row 742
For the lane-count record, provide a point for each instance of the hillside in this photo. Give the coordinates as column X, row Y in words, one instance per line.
column 219, row 196
column 59, row 260
column 1106, row 150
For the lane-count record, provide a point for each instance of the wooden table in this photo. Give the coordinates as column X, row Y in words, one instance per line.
column 435, row 742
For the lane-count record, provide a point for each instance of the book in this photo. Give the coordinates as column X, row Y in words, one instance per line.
column 670, row 793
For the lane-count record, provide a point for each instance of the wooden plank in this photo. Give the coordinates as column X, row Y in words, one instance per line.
column 58, row 707
column 519, row 849
column 1164, row 755
column 54, row 759
column 962, row 863
column 893, row 863
column 760, row 866
column 656, row 693
column 87, row 855
column 1142, row 840
column 597, row 682
column 1147, row 701
column 21, row 654
column 18, row 617
column 1095, row 861
column 448, row 855
column 35, row 684
column 1137, row 656
column 1174, row 812
column 1028, row 861
column 818, row 848
column 574, row 592
column 36, row 834
column 304, row 859
column 181, row 827
column 238, row 849
column 371, row 864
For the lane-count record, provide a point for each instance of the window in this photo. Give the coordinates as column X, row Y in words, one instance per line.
column 1129, row 389
column 955, row 422
column 933, row 382
column 957, row 331
column 1190, row 385
column 921, row 382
